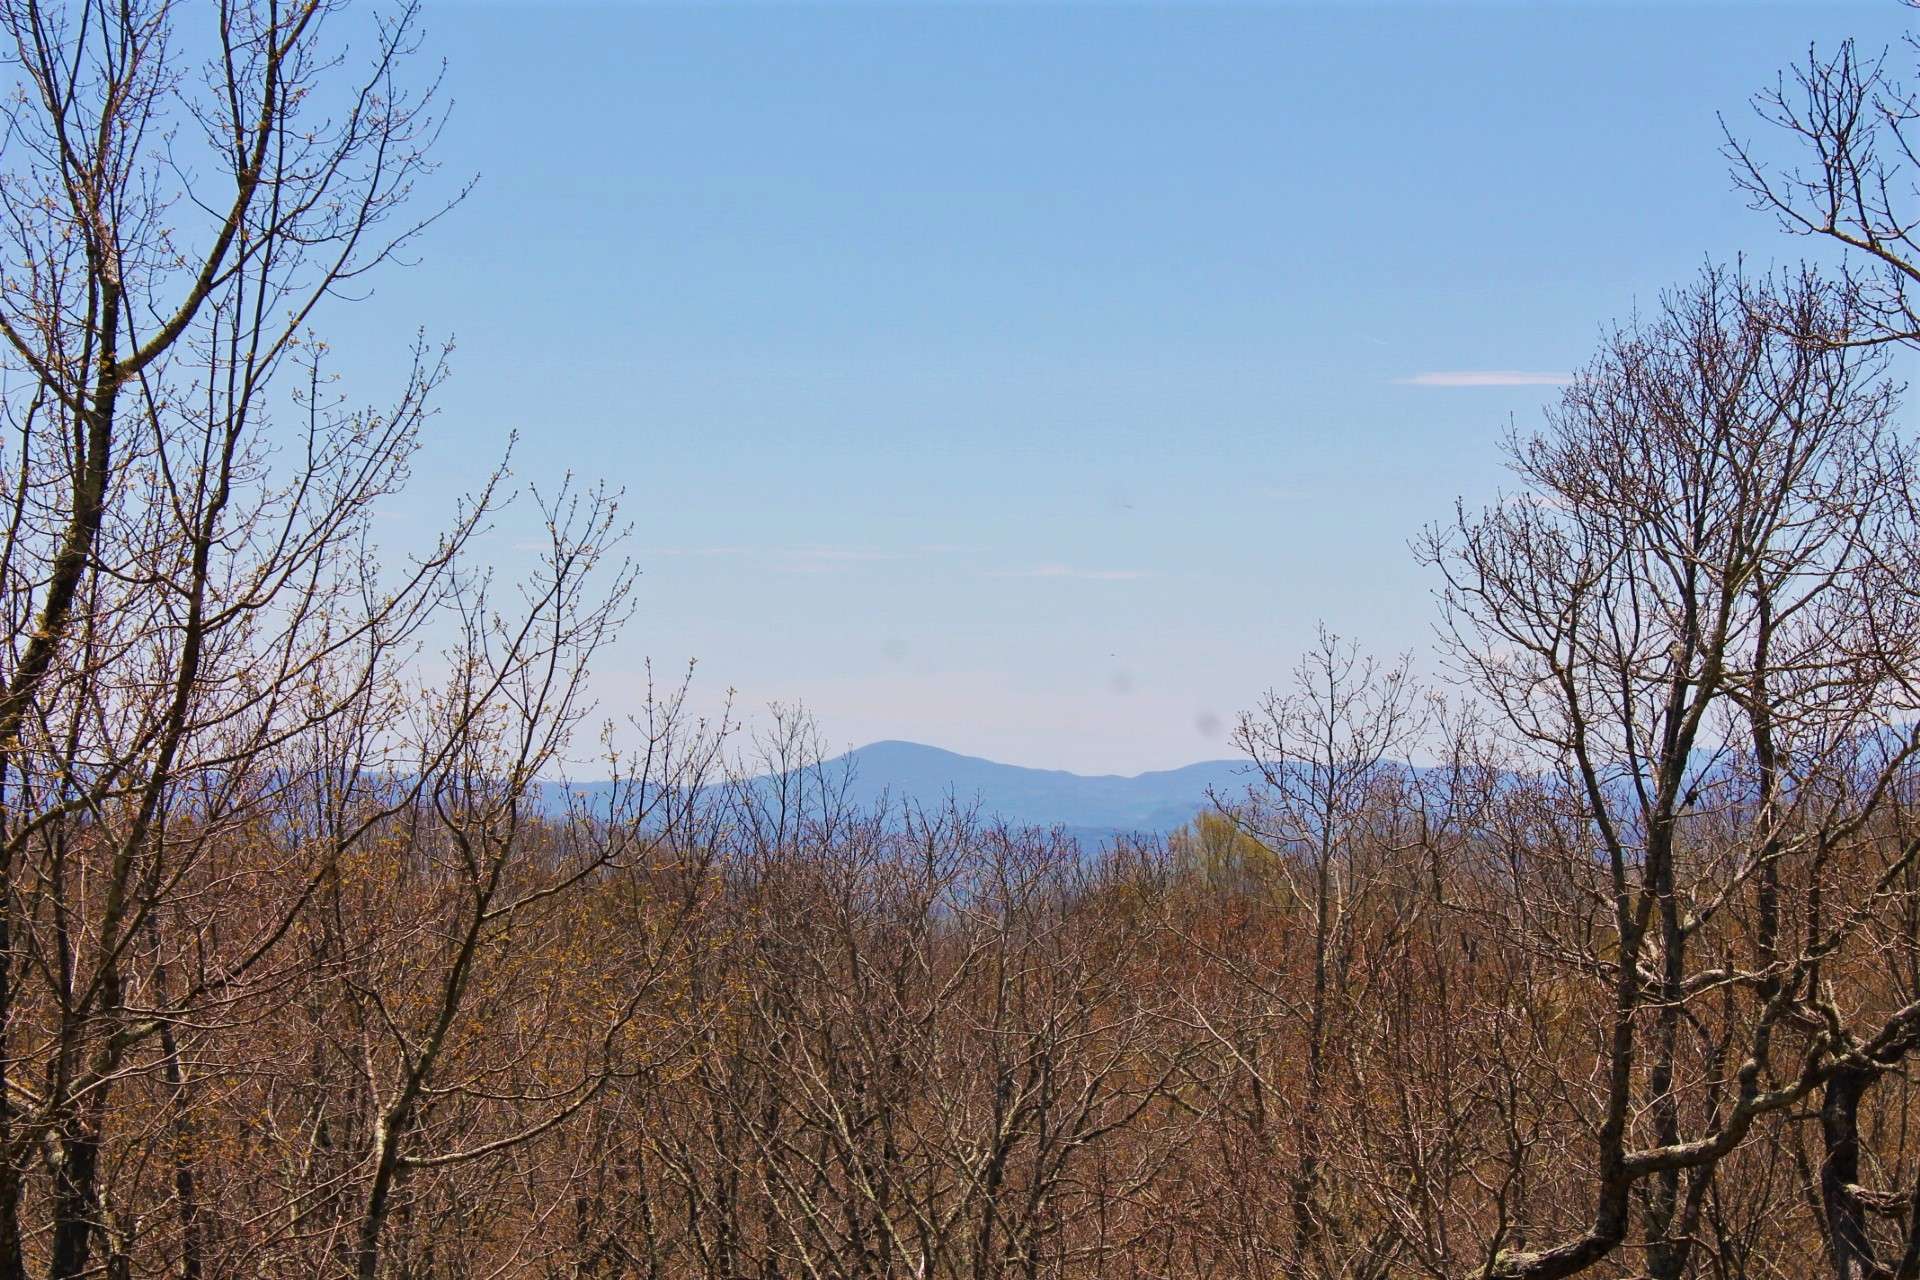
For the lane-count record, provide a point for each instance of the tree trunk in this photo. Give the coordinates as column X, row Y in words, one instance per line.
column 1848, row 1242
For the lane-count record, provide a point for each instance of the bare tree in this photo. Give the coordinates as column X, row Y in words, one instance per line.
column 211, row 720
column 1852, row 125
column 1692, row 622
column 1330, row 758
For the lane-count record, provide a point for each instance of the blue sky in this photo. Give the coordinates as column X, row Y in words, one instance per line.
column 1031, row 379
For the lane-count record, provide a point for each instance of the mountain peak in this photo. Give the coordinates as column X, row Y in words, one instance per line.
column 1153, row 802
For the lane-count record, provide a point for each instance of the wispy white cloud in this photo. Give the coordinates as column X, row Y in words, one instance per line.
column 1068, row 571
column 838, row 555
column 816, row 558
column 788, row 556
column 695, row 551
column 1486, row 378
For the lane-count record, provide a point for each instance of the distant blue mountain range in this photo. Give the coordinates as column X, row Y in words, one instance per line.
column 1091, row 806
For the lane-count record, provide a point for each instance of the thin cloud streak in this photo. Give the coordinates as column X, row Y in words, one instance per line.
column 822, row 559
column 1068, row 571
column 836, row 555
column 1486, row 378
column 695, row 551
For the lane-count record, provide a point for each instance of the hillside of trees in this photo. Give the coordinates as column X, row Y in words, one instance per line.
column 302, row 974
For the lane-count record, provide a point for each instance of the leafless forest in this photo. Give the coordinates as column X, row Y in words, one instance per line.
column 1600, row 958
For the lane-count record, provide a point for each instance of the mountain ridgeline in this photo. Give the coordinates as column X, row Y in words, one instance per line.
column 1093, row 807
